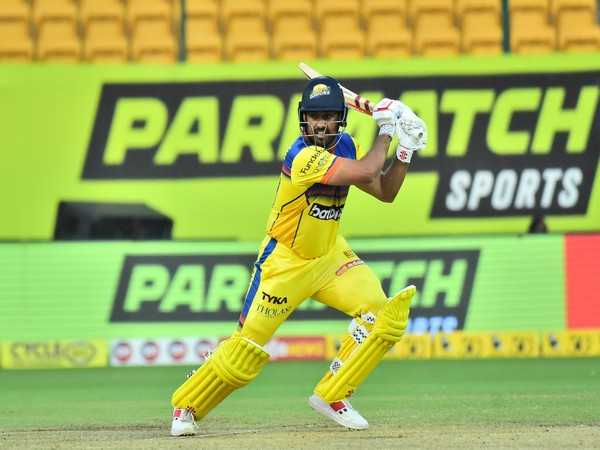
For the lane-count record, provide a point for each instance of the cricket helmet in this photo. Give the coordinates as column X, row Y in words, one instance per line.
column 323, row 94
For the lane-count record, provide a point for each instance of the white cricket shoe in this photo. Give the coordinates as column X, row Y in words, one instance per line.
column 183, row 423
column 342, row 412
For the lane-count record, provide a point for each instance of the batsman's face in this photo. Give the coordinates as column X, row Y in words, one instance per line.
column 323, row 126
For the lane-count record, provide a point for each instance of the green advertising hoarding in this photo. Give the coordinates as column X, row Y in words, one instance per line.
column 510, row 137
column 169, row 289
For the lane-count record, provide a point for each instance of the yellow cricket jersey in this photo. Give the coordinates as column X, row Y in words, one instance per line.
column 306, row 212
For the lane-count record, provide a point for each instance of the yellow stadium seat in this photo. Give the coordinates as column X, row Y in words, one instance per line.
column 294, row 39
column 244, row 47
column 436, row 35
column 285, row 9
column 530, row 32
column 54, row 11
column 203, row 43
column 560, row 6
column 105, row 42
column 388, row 37
column 578, row 31
column 101, row 11
column 333, row 29
column 333, row 14
column 481, row 32
column 58, row 42
column 243, row 11
column 464, row 8
column 248, row 25
column 153, row 42
column 15, row 42
column 428, row 8
column 337, row 8
column 374, row 9
column 529, row 7
column 144, row 11
column 15, row 11
column 204, row 13
column 297, row 25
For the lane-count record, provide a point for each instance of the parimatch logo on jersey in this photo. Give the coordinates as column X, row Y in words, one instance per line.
column 161, row 288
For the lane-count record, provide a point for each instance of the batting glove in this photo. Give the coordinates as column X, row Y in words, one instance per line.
column 387, row 113
column 412, row 135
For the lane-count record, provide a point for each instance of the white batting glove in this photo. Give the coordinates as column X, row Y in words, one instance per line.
column 412, row 135
column 387, row 113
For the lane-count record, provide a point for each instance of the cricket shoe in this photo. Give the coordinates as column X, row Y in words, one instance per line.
column 341, row 411
column 183, row 423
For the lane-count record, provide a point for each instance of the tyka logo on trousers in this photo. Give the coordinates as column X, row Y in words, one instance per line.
column 274, row 299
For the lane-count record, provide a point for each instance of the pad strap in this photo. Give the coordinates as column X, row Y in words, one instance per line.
column 388, row 329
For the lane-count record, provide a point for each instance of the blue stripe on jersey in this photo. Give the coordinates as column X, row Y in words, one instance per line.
column 345, row 147
column 256, row 280
column 298, row 145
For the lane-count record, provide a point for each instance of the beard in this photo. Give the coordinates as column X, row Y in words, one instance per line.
column 323, row 139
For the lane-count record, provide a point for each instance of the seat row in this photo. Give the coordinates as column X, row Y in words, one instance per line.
column 254, row 30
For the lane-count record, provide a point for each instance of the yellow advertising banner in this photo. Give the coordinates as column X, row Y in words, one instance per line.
column 571, row 344
column 513, row 345
column 411, row 346
column 54, row 354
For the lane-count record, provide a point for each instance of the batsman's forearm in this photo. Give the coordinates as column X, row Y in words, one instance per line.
column 392, row 179
column 375, row 159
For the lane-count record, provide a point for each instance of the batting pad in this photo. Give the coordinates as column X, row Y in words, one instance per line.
column 235, row 363
column 389, row 327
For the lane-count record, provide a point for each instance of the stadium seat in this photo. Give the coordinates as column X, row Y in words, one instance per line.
column 244, row 47
column 285, row 9
column 246, row 37
column 530, row 31
column 153, row 42
column 105, row 42
column 464, row 8
column 15, row 42
column 54, row 11
column 101, row 11
column 204, row 14
column 342, row 42
column 436, row 35
column 243, row 12
column 388, row 37
column 560, row 6
column 481, row 32
column 145, row 11
column 332, row 14
column 431, row 8
column 58, row 42
column 578, row 31
column 203, row 42
column 15, row 12
column 375, row 9
column 294, row 39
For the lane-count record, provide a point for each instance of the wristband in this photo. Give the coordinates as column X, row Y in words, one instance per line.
column 388, row 129
column 404, row 154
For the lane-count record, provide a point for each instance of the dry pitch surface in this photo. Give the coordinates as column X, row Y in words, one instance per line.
column 313, row 436
column 410, row 404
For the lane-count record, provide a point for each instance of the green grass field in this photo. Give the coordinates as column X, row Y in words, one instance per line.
column 533, row 403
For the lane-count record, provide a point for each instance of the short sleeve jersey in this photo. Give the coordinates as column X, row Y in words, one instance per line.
column 306, row 212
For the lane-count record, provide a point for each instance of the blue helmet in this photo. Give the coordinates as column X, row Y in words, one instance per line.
column 323, row 94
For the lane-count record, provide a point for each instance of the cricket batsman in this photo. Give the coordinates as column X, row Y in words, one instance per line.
column 303, row 256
